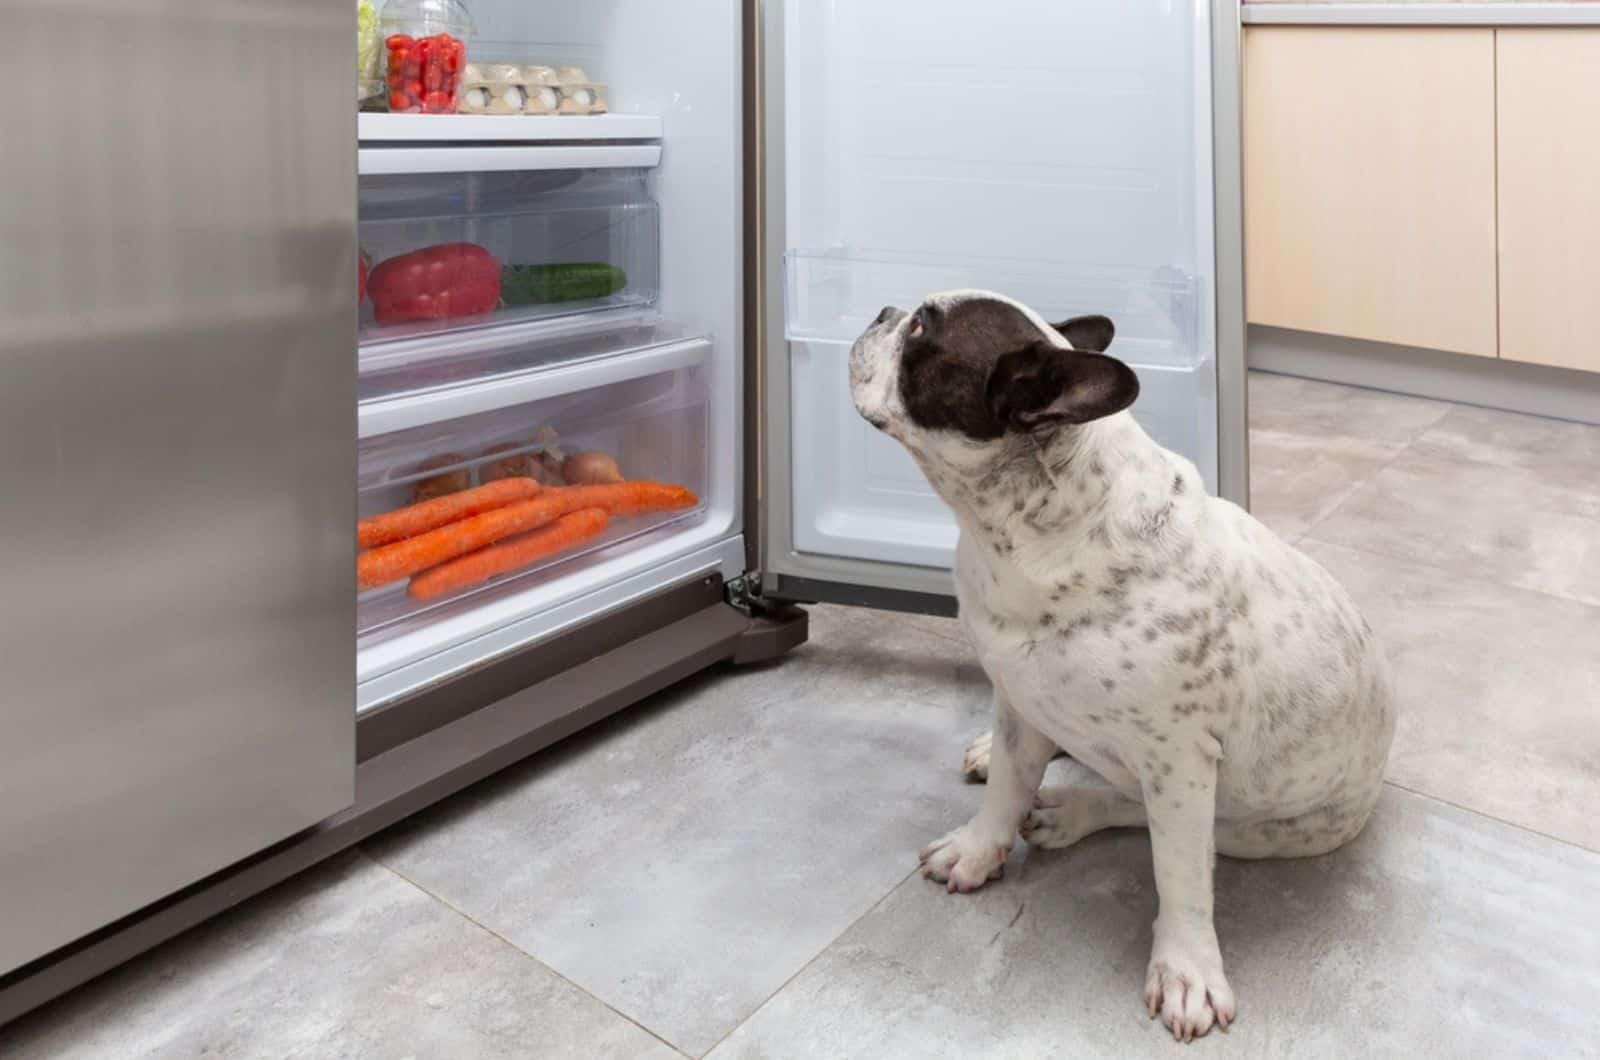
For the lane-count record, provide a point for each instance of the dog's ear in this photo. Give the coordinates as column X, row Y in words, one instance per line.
column 1091, row 334
column 1042, row 386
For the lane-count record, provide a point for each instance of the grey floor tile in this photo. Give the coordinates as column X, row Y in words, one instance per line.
column 1534, row 527
column 1510, row 439
column 1283, row 403
column 346, row 961
column 1436, row 933
column 682, row 861
column 1313, row 444
column 1298, row 480
column 1499, row 691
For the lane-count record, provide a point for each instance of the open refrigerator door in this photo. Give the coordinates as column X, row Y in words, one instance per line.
column 1059, row 154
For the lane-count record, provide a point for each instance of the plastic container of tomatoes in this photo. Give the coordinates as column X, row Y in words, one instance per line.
column 425, row 51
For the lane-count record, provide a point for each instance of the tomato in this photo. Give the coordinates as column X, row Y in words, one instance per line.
column 439, row 103
column 398, row 40
column 399, row 102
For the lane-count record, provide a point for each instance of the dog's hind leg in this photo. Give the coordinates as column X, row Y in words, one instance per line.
column 1065, row 813
column 1302, row 836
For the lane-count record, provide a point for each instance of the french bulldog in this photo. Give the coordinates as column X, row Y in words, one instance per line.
column 1208, row 681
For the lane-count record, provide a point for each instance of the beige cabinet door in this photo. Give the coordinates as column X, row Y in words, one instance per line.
column 1370, row 183
column 1549, row 111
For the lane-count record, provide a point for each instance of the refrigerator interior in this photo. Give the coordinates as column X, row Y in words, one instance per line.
column 650, row 373
column 1059, row 154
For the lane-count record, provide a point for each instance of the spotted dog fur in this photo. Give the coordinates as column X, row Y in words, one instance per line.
column 1209, row 681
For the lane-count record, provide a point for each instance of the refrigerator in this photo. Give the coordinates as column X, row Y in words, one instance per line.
column 197, row 407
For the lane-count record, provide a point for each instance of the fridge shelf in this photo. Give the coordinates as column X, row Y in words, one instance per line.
column 477, row 158
column 505, row 128
column 653, row 424
column 395, row 366
column 510, row 375
column 831, row 296
column 516, row 246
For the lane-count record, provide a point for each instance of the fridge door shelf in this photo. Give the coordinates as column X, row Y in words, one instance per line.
column 831, row 296
column 654, row 424
column 561, row 243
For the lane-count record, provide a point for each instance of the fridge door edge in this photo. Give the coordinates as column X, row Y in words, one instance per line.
column 1227, row 189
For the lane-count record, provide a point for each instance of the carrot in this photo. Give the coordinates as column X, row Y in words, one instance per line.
column 477, row 567
column 626, row 498
column 415, row 519
column 393, row 562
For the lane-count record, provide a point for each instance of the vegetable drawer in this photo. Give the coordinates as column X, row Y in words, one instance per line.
column 448, row 251
column 504, row 496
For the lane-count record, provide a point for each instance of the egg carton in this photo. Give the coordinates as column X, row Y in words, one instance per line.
column 516, row 88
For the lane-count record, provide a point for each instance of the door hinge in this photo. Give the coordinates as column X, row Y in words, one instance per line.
column 744, row 593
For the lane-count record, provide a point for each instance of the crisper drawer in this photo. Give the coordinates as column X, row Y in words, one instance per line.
column 547, row 445
column 449, row 251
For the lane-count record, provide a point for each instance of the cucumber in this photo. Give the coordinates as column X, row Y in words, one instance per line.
column 535, row 284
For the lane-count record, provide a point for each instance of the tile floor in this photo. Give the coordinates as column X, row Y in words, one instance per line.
column 726, row 870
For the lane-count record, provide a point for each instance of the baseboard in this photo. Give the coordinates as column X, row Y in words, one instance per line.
column 1558, row 393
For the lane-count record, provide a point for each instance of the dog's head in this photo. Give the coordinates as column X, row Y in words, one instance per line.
column 966, row 374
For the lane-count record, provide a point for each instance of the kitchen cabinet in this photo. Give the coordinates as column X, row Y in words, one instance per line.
column 1548, row 108
column 1369, row 167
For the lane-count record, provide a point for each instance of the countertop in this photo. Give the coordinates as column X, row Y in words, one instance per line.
column 1422, row 13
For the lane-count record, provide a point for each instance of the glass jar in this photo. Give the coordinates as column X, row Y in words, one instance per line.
column 425, row 51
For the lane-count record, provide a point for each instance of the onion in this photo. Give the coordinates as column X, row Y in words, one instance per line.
column 590, row 469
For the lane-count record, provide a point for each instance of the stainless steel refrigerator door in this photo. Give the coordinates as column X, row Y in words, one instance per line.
column 177, row 447
column 810, row 552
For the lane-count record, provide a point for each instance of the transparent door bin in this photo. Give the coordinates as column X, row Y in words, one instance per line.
column 462, row 250
column 654, row 427
column 833, row 296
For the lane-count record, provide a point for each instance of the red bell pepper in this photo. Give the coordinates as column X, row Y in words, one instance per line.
column 435, row 283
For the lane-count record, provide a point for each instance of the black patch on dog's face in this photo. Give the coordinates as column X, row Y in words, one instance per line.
column 982, row 367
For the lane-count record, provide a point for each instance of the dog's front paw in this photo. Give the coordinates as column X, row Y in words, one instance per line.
column 975, row 763
column 1186, row 988
column 964, row 861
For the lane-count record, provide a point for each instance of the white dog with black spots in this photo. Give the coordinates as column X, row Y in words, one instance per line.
column 1209, row 681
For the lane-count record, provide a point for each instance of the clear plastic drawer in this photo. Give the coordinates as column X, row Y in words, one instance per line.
column 648, row 428
column 448, row 251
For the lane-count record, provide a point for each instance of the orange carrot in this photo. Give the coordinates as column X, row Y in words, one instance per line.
column 393, row 562
column 626, row 498
column 477, row 567
column 415, row 519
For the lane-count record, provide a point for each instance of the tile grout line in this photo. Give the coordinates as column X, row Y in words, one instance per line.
column 1491, row 817
column 810, row 961
column 474, row 921
column 1399, row 452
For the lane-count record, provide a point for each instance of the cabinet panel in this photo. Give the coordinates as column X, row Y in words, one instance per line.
column 1549, row 109
column 1370, row 183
